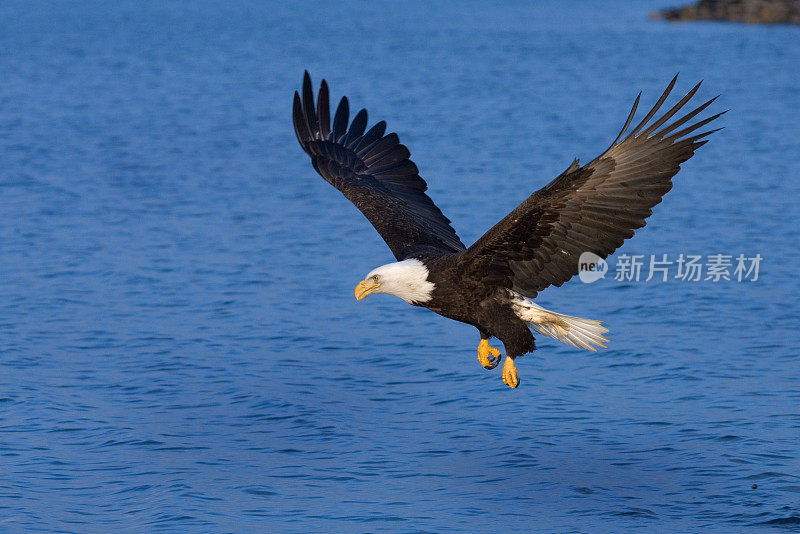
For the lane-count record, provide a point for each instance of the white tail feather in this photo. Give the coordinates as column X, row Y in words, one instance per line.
column 581, row 333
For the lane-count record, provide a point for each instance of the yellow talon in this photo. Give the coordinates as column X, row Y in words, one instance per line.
column 510, row 373
column 484, row 349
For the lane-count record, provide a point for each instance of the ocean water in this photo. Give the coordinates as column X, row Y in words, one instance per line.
column 180, row 350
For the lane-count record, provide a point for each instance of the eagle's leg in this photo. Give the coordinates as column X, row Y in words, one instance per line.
column 485, row 353
column 510, row 372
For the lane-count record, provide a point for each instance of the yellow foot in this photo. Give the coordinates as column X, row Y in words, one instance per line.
column 484, row 350
column 510, row 373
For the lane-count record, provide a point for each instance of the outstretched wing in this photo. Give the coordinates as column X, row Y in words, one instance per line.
column 374, row 172
column 593, row 208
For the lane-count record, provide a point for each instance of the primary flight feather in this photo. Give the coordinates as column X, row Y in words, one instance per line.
column 589, row 208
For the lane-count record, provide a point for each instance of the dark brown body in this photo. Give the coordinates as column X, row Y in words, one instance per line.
column 486, row 307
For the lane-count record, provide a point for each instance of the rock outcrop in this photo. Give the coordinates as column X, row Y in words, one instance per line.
column 743, row 11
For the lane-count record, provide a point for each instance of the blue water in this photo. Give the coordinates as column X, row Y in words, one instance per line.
column 179, row 343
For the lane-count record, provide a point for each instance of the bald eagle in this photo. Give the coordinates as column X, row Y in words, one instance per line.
column 587, row 208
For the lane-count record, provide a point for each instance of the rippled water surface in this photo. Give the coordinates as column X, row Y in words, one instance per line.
column 179, row 343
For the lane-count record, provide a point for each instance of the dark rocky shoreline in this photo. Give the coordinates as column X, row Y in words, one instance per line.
column 742, row 11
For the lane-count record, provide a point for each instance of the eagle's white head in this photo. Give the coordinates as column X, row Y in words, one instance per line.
column 407, row 279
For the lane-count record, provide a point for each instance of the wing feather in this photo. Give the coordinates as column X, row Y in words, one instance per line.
column 324, row 111
column 373, row 135
column 357, row 128
column 339, row 120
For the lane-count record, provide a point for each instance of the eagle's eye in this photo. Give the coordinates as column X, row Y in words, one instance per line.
column 375, row 278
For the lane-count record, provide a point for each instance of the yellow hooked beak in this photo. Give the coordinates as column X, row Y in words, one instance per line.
column 366, row 287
